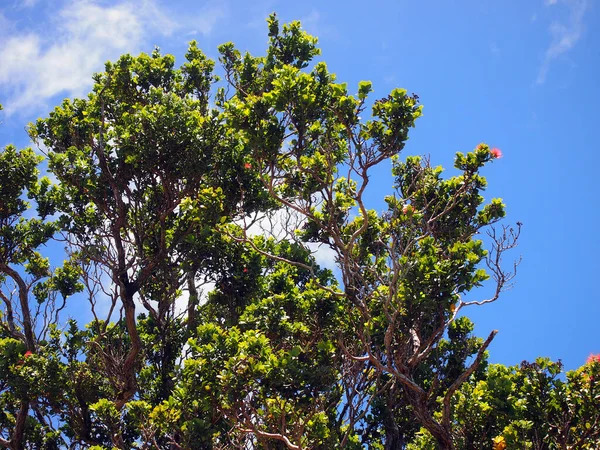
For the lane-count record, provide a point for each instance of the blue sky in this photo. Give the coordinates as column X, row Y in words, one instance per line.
column 519, row 75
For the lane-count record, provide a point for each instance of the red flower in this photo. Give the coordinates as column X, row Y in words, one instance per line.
column 28, row 354
column 407, row 209
column 592, row 359
column 245, row 270
column 496, row 153
column 248, row 166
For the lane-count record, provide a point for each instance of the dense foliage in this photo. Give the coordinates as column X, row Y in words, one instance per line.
column 190, row 208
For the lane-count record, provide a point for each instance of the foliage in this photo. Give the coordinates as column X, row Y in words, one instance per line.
column 191, row 206
column 528, row 406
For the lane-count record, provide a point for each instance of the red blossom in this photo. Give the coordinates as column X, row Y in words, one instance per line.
column 248, row 166
column 407, row 209
column 496, row 153
column 245, row 270
column 593, row 358
column 28, row 354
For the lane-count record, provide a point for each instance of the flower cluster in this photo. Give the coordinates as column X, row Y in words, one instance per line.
column 496, row 153
column 593, row 359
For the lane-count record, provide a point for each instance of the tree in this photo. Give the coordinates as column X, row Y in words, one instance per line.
column 527, row 406
column 172, row 182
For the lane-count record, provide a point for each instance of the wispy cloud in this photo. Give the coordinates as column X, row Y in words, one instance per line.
column 5, row 26
column 80, row 38
column 29, row 3
column 208, row 17
column 564, row 35
column 311, row 19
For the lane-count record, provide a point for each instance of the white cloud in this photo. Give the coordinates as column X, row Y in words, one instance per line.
column 281, row 224
column 181, row 303
column 37, row 67
column 564, row 36
column 324, row 255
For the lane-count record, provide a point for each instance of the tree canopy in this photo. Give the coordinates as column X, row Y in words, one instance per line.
column 190, row 202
